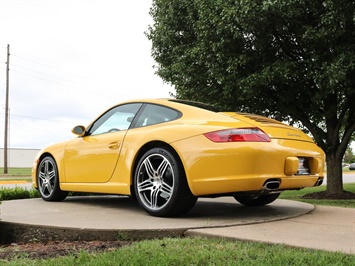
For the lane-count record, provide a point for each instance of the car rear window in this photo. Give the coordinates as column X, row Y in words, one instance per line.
column 152, row 114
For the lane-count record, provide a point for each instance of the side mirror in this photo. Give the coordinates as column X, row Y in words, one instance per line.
column 78, row 130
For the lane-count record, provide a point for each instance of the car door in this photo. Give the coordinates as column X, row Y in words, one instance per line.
column 92, row 158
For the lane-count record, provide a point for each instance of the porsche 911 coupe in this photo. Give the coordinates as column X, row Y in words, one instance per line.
column 166, row 153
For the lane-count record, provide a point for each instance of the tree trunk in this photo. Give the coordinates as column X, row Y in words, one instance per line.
column 334, row 173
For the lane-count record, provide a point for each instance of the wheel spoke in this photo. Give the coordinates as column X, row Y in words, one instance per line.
column 46, row 163
column 51, row 175
column 42, row 176
column 167, row 189
column 154, row 195
column 145, row 185
column 49, row 188
column 43, row 186
column 149, row 168
column 162, row 167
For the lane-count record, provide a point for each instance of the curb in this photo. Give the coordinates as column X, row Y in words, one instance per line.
column 23, row 233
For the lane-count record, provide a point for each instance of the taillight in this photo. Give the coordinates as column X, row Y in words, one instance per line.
column 238, row 134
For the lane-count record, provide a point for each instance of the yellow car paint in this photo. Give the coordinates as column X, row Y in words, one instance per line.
column 106, row 163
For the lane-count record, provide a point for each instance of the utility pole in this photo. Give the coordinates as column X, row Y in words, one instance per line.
column 6, row 109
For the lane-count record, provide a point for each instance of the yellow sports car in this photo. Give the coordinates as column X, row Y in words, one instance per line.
column 166, row 153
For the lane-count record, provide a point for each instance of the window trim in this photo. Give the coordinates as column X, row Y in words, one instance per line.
column 89, row 128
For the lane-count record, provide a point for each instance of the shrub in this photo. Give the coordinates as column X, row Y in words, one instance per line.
column 17, row 193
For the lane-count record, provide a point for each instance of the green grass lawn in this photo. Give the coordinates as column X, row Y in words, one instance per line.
column 297, row 195
column 16, row 171
column 197, row 251
column 16, row 174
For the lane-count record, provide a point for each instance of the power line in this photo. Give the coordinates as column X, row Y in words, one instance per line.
column 62, row 68
column 37, row 118
column 66, row 85
column 39, row 129
column 33, row 72
column 51, row 64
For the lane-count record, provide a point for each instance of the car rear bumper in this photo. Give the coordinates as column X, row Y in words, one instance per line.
column 242, row 167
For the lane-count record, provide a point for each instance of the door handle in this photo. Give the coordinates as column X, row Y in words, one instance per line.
column 114, row 145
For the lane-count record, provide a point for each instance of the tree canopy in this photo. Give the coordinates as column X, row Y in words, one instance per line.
column 291, row 60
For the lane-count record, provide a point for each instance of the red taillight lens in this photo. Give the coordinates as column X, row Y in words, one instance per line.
column 238, row 134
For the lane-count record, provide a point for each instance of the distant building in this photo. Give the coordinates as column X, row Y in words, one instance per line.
column 18, row 158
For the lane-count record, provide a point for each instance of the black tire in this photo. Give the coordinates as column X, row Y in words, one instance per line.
column 48, row 180
column 257, row 200
column 160, row 184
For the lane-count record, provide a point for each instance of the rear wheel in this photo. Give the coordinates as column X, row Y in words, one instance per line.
column 48, row 181
column 257, row 200
column 160, row 184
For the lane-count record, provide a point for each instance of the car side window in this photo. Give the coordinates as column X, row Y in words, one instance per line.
column 154, row 114
column 116, row 119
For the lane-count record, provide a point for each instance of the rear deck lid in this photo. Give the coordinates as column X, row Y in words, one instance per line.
column 274, row 128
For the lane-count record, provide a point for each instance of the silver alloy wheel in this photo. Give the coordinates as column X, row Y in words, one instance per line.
column 155, row 182
column 46, row 178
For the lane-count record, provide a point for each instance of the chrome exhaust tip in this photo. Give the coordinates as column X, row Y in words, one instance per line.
column 272, row 185
column 319, row 182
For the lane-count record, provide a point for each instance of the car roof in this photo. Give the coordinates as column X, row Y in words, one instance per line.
column 175, row 103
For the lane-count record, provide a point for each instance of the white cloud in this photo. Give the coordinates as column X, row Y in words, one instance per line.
column 71, row 60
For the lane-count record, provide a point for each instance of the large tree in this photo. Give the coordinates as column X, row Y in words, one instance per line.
column 291, row 60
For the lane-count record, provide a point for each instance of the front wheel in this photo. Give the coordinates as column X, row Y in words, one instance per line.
column 160, row 184
column 257, row 200
column 48, row 181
